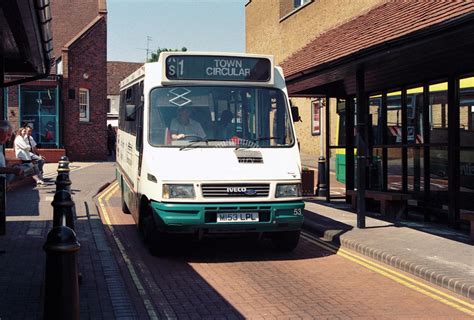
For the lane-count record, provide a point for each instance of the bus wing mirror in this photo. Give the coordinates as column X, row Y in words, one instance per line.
column 130, row 111
column 295, row 114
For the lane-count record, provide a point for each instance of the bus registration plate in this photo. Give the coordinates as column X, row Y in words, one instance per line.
column 237, row 217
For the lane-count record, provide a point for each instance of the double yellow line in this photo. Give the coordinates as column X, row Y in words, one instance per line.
column 103, row 199
column 398, row 277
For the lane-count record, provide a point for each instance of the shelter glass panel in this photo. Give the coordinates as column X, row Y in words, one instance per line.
column 375, row 120
column 466, row 112
column 439, row 177
column 337, row 165
column 394, row 169
column 415, row 169
column 415, row 116
column 394, row 118
column 338, row 124
column 439, row 113
column 376, row 170
column 467, row 179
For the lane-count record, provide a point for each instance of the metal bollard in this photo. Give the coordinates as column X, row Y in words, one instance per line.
column 63, row 208
column 63, row 165
column 61, row 298
column 63, row 182
column 322, row 187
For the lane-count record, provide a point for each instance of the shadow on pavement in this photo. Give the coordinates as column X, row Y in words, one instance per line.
column 415, row 222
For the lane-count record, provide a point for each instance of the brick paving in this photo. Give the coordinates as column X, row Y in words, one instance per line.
column 219, row 278
column 29, row 219
column 241, row 278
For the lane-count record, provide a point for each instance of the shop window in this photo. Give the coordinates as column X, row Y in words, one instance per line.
column 109, row 106
column 38, row 109
column 84, row 105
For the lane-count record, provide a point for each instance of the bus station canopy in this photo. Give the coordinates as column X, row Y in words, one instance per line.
column 25, row 37
column 396, row 43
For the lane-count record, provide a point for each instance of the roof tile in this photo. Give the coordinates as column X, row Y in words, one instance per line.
column 386, row 22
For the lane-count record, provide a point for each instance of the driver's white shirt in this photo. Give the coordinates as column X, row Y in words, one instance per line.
column 193, row 128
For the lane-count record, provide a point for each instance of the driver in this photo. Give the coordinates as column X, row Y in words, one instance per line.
column 183, row 126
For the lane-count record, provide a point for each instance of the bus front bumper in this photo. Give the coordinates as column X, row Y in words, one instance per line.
column 191, row 218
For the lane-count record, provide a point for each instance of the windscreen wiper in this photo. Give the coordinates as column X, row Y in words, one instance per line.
column 256, row 140
column 193, row 143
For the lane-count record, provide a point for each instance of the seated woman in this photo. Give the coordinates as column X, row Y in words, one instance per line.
column 22, row 152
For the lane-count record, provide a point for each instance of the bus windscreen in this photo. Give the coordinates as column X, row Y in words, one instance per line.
column 218, row 68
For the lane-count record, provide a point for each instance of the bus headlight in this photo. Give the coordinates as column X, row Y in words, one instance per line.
column 288, row 190
column 171, row 191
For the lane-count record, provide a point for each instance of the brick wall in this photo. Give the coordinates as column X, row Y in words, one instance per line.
column 86, row 140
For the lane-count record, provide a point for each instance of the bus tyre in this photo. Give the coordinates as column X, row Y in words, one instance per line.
column 286, row 240
column 154, row 239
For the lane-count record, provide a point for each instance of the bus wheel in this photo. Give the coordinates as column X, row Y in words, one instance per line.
column 286, row 240
column 124, row 205
column 152, row 236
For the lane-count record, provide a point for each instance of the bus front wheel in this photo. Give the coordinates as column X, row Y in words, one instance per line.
column 153, row 238
column 286, row 240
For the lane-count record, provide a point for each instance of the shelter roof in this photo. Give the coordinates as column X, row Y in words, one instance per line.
column 383, row 24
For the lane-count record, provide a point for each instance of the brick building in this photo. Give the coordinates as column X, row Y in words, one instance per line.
column 116, row 72
column 396, row 83
column 68, row 110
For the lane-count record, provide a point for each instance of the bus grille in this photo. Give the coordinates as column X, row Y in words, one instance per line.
column 235, row 190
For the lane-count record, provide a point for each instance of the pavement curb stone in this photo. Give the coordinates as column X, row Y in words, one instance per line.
column 435, row 276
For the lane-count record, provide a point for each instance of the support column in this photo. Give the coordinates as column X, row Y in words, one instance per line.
column 404, row 142
column 3, row 186
column 426, row 151
column 362, row 114
column 453, row 150
column 327, row 128
column 349, row 146
column 384, row 143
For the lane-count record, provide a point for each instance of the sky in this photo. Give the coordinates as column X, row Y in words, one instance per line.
column 198, row 25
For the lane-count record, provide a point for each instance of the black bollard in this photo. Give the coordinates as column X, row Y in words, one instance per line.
column 61, row 298
column 322, row 188
column 63, row 182
column 63, row 208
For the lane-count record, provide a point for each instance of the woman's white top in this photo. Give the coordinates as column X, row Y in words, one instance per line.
column 22, row 150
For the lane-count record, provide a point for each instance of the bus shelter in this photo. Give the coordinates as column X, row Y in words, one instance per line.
column 25, row 47
column 403, row 76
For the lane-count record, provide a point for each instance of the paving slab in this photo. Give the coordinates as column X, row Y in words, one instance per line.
column 434, row 252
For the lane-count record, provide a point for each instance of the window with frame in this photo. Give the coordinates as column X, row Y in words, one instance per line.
column 299, row 3
column 84, row 105
column 288, row 7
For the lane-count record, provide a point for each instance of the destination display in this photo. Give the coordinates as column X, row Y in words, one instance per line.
column 218, row 68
